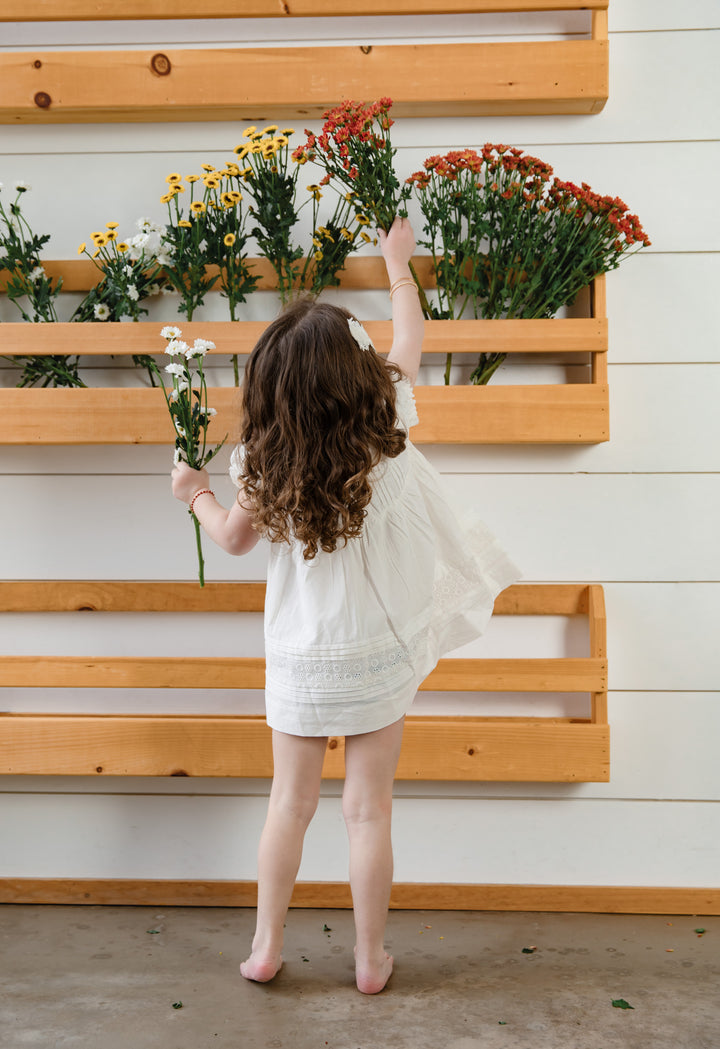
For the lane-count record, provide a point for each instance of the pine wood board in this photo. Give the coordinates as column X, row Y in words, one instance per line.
column 424, row 80
column 571, row 414
column 93, row 338
column 588, row 899
column 108, row 10
column 451, row 675
column 453, row 749
column 120, row 595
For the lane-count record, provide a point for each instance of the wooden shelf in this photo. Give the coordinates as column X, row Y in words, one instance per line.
column 289, row 83
column 435, row 748
column 109, row 10
column 575, row 413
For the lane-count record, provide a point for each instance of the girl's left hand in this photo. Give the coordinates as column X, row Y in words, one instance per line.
column 186, row 481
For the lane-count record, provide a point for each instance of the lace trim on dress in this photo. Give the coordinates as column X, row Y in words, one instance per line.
column 368, row 672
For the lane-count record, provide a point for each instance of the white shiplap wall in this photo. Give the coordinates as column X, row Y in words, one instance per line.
column 639, row 515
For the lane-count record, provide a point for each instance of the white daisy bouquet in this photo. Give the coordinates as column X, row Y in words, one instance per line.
column 189, row 410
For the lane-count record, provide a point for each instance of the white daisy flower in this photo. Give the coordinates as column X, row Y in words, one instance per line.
column 22, row 187
column 179, row 429
column 170, row 332
column 37, row 274
column 177, row 458
column 152, row 289
column 174, row 369
column 101, row 312
column 132, row 292
column 200, row 348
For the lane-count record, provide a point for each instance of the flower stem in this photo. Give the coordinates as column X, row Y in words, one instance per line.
column 201, row 560
column 424, row 304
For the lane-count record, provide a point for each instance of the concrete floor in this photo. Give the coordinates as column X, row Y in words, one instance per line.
column 108, row 978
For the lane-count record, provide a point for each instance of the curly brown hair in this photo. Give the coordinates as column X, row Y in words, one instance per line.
column 318, row 417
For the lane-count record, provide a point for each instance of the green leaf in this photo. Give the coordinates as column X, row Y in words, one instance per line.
column 177, row 1005
column 620, row 1003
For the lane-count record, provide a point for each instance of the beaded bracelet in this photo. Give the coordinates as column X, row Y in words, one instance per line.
column 401, row 282
column 203, row 491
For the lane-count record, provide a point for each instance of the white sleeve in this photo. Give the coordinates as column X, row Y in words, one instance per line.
column 405, row 404
column 237, row 464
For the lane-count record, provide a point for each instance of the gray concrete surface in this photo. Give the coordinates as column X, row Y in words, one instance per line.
column 108, row 978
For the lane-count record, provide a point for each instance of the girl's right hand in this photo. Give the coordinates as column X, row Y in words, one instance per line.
column 398, row 244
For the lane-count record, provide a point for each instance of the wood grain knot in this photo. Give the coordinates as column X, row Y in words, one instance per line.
column 99, row 768
column 161, row 64
column 471, row 751
column 332, row 744
column 42, row 100
column 37, row 64
column 179, row 772
column 366, row 49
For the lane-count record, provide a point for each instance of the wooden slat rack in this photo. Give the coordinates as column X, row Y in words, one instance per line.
column 288, row 83
column 571, row 413
column 435, row 747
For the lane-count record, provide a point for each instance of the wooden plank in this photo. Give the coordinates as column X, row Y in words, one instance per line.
column 114, row 595
column 121, row 595
column 598, row 648
column 108, row 10
column 359, row 273
column 519, row 749
column 570, row 414
column 589, row 899
column 460, row 79
column 452, row 675
column 117, row 339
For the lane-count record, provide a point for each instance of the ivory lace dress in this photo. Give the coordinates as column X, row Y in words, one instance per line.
column 351, row 634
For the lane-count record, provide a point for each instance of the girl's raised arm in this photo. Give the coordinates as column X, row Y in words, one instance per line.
column 397, row 246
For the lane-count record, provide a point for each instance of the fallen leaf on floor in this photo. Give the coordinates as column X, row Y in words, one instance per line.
column 326, row 928
column 502, row 1023
column 529, row 950
column 153, row 932
column 620, row 1003
column 305, row 959
column 177, row 1005
column 700, row 932
column 669, row 950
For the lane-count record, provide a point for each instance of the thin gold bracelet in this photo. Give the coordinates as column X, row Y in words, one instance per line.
column 402, row 282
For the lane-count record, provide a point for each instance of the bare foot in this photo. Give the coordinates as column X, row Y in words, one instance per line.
column 261, row 968
column 372, row 977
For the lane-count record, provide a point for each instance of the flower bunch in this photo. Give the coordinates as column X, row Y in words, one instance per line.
column 189, row 410
column 509, row 240
column 333, row 240
column 356, row 153
column 272, row 186
column 30, row 289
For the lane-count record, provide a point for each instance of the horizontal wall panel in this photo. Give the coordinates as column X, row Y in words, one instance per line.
column 138, row 181
column 632, row 16
column 663, row 636
column 461, row 841
column 614, row 527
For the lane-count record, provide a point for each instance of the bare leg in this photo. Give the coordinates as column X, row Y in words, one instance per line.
column 370, row 762
column 298, row 762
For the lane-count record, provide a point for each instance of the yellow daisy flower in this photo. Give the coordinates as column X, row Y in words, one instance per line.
column 350, row 197
column 166, row 198
column 288, row 131
column 231, row 170
column 185, row 224
column 192, row 178
column 365, row 236
column 280, row 141
column 229, row 240
column 241, row 151
column 315, row 190
column 111, row 225
column 111, row 234
column 176, row 188
column 318, row 256
column 346, row 234
column 362, row 220
column 175, row 177
column 82, row 247
column 95, row 254
column 269, row 129
column 249, row 131
column 123, row 247
column 198, row 207
column 211, row 181
column 208, row 167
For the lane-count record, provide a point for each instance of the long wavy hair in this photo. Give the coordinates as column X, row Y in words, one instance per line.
column 318, row 417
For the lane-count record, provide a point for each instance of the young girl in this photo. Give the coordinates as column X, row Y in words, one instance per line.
column 370, row 580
